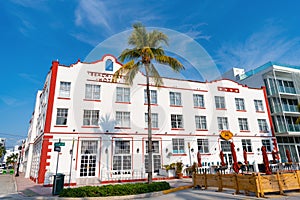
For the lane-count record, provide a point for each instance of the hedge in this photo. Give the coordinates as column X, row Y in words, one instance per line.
column 115, row 190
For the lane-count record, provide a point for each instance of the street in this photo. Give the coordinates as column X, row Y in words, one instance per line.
column 196, row 194
column 7, row 184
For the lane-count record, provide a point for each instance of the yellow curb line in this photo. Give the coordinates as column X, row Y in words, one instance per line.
column 177, row 189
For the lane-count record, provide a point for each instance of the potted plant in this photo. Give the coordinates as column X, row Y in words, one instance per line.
column 179, row 166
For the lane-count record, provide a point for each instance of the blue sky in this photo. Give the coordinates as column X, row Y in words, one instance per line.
column 235, row 33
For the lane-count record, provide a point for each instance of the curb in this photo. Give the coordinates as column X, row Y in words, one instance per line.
column 177, row 189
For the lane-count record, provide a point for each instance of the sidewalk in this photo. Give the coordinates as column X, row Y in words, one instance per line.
column 28, row 188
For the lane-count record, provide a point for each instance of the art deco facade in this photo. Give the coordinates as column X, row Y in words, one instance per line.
column 105, row 124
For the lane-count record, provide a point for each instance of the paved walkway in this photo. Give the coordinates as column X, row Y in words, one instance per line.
column 27, row 187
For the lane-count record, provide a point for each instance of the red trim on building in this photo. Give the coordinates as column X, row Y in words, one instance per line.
column 179, row 154
column 241, row 110
column 59, row 126
column 48, row 120
column 199, row 107
column 269, row 112
column 63, row 98
column 46, row 147
column 93, row 100
column 120, row 102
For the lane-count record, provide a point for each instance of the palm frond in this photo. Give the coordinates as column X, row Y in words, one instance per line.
column 131, row 72
column 155, row 38
column 158, row 51
column 147, row 52
column 153, row 73
column 172, row 62
column 122, row 71
column 130, row 54
column 138, row 37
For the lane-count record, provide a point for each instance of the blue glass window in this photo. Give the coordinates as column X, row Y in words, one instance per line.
column 109, row 65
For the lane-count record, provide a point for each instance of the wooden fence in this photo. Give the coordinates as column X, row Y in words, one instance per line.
column 256, row 182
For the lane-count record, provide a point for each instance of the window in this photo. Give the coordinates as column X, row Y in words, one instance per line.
column 225, row 146
column 123, row 119
column 243, row 124
column 240, row 104
column 262, row 124
column 203, row 145
column 155, row 146
column 122, row 157
column 258, row 105
column 154, row 120
column 176, row 121
column 267, row 144
column 178, row 145
column 198, row 100
column 156, row 157
column 62, row 116
column 123, row 94
column 175, row 98
column 246, row 143
column 200, row 122
column 223, row 123
column 64, row 90
column 91, row 117
column 88, row 158
column 153, row 96
column 109, row 65
column 92, row 92
column 220, row 102
column 156, row 163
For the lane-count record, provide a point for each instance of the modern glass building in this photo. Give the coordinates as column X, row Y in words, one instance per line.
column 282, row 84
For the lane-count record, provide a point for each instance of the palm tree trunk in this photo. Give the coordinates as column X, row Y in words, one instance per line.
column 149, row 128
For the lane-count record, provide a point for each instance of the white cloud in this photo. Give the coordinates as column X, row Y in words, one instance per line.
column 93, row 12
column 31, row 78
column 194, row 31
column 269, row 44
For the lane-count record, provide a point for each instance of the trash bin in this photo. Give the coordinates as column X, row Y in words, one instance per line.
column 58, row 183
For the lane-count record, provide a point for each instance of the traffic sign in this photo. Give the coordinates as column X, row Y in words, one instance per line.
column 59, row 144
column 57, row 148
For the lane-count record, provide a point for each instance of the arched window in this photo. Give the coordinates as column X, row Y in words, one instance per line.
column 109, row 65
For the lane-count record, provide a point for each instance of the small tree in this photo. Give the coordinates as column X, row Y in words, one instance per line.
column 2, row 150
column 12, row 159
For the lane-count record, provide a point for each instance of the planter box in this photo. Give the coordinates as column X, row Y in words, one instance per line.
column 167, row 173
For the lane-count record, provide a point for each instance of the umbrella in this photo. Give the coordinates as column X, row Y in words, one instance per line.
column 266, row 160
column 275, row 156
column 222, row 158
column 199, row 159
column 288, row 155
column 245, row 157
column 234, row 158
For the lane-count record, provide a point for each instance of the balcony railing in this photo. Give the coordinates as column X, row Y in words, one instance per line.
column 294, row 128
column 290, row 108
column 290, row 90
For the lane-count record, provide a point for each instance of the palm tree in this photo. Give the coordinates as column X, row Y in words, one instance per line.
column 146, row 48
column 2, row 150
column 12, row 159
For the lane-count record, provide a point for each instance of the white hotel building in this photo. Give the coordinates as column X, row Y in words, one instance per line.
column 105, row 124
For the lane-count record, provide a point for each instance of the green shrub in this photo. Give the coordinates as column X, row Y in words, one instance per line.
column 115, row 190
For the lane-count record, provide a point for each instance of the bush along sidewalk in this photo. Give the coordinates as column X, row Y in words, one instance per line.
column 115, row 190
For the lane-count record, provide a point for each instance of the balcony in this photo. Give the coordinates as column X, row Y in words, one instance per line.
column 293, row 127
column 290, row 108
column 289, row 90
